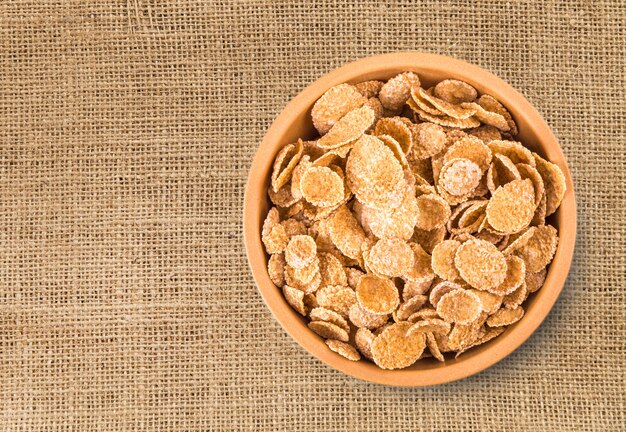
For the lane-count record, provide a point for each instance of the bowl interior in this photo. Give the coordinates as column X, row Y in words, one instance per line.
column 295, row 122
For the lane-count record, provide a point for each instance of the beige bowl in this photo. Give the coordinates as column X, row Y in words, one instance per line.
column 295, row 122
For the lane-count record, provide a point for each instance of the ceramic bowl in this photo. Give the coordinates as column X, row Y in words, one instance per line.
column 295, row 122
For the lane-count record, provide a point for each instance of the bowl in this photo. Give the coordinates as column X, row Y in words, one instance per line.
column 295, row 122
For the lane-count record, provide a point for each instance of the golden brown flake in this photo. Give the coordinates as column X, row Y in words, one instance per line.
column 491, row 104
column 395, row 92
column 362, row 318
column 480, row 264
column 286, row 160
column 343, row 349
column 440, row 289
column 455, row 91
column 334, row 104
column 363, row 339
column 338, row 298
column 295, row 298
column 534, row 281
column 505, row 317
column 377, row 295
column 346, row 233
column 329, row 330
column 391, row 257
column 398, row 130
column 512, row 206
column 433, row 212
column 459, row 112
column 409, row 307
column 470, row 148
column 322, row 186
column 329, row 315
column 554, row 182
column 331, row 270
column 348, row 129
column 443, row 260
column 540, row 248
column 395, row 349
column 459, row 306
column 459, row 177
column 515, row 273
column 276, row 269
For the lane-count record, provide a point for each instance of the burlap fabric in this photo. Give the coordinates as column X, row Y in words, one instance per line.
column 126, row 133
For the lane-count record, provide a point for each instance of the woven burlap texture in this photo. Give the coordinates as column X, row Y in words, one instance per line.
column 126, row 134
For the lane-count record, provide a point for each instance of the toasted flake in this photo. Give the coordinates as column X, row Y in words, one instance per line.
column 363, row 339
column 505, row 317
column 443, row 260
column 428, row 140
column 348, row 129
column 459, row 176
column 460, row 112
column 516, row 298
column 431, row 343
column 480, row 264
column 300, row 251
column 513, row 150
column 490, row 302
column 491, row 104
column 515, row 274
column 447, row 121
column 428, row 239
column 398, row 130
column 322, row 187
column 501, row 172
column 455, row 91
column 286, row 160
column 440, row 289
column 411, row 289
column 459, row 306
column 396, row 91
column 310, row 301
column 539, row 218
column 470, row 148
column 346, row 233
column 362, row 318
column 331, row 270
column 334, row 104
column 293, row 227
column 420, row 271
column 329, row 330
column 377, row 295
column 395, row 349
column 295, row 298
column 391, row 257
column 395, row 223
column 554, row 182
column 301, row 277
column 394, row 146
column 377, row 107
column 512, row 206
column 472, row 218
column 299, row 170
column 374, row 174
column 521, row 239
column 430, row 325
column 529, row 172
column 433, row 212
column 487, row 117
column 409, row 307
column 423, row 314
column 343, row 349
column 486, row 133
column 462, row 336
column 353, row 276
column 490, row 334
column 534, row 281
column 338, row 298
column 416, row 102
column 329, row 315
column 275, row 240
column 282, row 198
column 369, row 89
column 276, row 269
column 540, row 248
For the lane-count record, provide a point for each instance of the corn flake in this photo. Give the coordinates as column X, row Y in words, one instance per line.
column 480, row 264
column 334, row 104
column 363, row 339
column 394, row 348
column 512, row 206
column 329, row 315
column 329, row 330
column 395, row 92
column 377, row 295
column 295, row 298
column 391, row 257
column 286, row 160
column 455, row 91
column 343, row 349
column 443, row 260
column 554, row 182
column 505, row 317
column 362, row 318
column 348, row 129
column 540, row 248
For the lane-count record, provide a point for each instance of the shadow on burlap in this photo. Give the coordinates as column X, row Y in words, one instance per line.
column 126, row 134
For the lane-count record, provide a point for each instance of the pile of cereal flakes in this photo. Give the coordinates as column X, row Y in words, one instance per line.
column 415, row 221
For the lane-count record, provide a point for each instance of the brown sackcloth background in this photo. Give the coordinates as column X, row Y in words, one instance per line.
column 127, row 129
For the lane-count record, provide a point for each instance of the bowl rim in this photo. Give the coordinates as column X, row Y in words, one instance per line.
column 483, row 357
